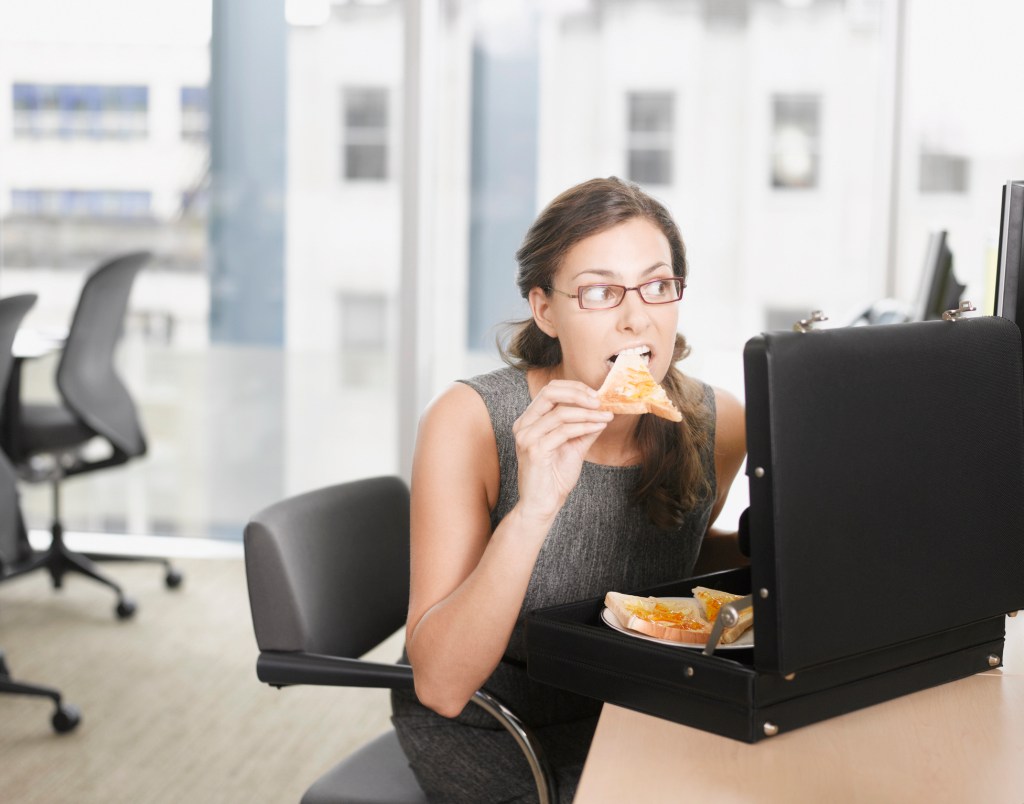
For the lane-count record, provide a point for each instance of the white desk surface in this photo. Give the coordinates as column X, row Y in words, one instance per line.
column 960, row 742
column 31, row 343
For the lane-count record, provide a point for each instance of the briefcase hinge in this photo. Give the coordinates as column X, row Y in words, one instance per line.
column 954, row 315
column 805, row 324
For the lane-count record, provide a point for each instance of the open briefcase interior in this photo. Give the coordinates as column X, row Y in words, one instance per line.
column 886, row 536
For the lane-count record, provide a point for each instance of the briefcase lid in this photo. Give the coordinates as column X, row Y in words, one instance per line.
column 886, row 471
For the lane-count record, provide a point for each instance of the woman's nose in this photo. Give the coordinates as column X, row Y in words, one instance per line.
column 632, row 310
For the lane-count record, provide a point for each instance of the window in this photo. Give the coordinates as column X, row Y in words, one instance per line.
column 795, row 141
column 106, row 204
column 195, row 203
column 365, row 134
column 650, row 126
column 80, row 111
column 195, row 113
column 943, row 173
column 365, row 328
column 364, row 321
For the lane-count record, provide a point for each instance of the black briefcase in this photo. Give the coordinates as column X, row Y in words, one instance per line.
column 886, row 535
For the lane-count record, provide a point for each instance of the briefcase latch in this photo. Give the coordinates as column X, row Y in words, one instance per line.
column 805, row 324
column 954, row 315
column 727, row 617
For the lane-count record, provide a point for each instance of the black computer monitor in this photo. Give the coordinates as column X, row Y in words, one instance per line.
column 1009, row 290
column 940, row 290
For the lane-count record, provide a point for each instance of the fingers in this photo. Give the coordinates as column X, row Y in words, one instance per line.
column 562, row 412
column 586, row 432
column 556, row 394
column 567, row 418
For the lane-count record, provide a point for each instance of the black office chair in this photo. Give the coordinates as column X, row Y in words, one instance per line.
column 13, row 539
column 46, row 442
column 312, row 561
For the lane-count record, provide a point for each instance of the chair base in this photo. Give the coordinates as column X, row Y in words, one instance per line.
column 173, row 577
column 65, row 718
column 59, row 560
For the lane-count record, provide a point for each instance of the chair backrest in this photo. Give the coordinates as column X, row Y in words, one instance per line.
column 13, row 540
column 86, row 376
column 328, row 571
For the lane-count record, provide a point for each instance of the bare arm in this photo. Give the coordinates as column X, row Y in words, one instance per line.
column 467, row 584
column 720, row 549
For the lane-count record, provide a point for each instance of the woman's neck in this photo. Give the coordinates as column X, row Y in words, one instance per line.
column 616, row 446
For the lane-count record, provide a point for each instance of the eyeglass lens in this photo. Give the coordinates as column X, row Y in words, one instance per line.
column 657, row 291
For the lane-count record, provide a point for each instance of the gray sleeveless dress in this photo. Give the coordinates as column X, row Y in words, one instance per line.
column 599, row 542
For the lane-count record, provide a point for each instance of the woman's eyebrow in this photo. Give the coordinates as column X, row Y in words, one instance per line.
column 656, row 266
column 606, row 273
column 602, row 272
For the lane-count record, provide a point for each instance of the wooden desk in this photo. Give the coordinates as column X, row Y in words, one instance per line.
column 960, row 742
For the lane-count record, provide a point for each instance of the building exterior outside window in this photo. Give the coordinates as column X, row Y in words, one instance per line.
column 90, row 111
column 109, row 204
column 796, row 149
column 943, row 173
column 365, row 134
column 650, row 127
column 195, row 113
column 364, row 321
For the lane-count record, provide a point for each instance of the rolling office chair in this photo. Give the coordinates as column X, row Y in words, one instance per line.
column 46, row 442
column 312, row 561
column 13, row 539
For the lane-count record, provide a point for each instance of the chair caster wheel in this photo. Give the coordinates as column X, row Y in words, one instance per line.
column 173, row 578
column 125, row 608
column 66, row 718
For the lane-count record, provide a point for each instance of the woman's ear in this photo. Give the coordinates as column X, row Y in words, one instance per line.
column 540, row 306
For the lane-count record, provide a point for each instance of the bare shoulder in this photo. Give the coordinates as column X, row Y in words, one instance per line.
column 457, row 412
column 456, row 401
column 455, row 441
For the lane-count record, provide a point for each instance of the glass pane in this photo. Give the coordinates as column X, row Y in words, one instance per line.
column 943, row 173
column 795, row 156
column 366, row 162
column 90, row 174
column 963, row 137
column 711, row 105
column 650, row 111
column 366, row 108
column 650, row 167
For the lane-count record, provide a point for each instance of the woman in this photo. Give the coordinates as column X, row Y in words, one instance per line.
column 526, row 494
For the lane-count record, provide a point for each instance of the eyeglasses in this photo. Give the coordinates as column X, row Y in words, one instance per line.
column 605, row 297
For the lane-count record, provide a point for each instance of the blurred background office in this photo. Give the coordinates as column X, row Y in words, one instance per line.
column 333, row 192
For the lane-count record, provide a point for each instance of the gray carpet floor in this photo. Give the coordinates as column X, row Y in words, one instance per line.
column 171, row 707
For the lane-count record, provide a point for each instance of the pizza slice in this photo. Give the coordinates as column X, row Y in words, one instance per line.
column 630, row 388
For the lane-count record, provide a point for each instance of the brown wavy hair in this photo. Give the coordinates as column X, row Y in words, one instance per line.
column 673, row 478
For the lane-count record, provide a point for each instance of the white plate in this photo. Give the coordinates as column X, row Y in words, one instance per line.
column 746, row 640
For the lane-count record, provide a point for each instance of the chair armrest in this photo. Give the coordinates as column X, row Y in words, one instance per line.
column 282, row 669
column 547, row 789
